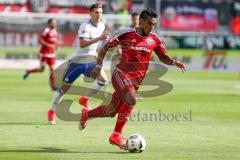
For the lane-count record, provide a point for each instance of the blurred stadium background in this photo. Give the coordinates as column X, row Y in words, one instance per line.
column 185, row 24
column 204, row 34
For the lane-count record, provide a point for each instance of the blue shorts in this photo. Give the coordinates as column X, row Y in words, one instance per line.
column 74, row 70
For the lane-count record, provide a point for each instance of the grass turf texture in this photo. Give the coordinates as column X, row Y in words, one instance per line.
column 213, row 133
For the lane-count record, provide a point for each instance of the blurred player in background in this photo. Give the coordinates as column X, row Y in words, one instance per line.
column 48, row 41
column 134, row 23
column 90, row 34
column 137, row 45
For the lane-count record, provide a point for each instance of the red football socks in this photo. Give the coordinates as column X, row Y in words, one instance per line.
column 52, row 80
column 34, row 70
column 124, row 113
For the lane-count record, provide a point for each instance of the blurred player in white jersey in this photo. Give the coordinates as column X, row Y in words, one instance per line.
column 90, row 34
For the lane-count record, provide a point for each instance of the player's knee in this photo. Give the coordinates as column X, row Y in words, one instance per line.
column 111, row 115
column 103, row 78
column 101, row 83
column 131, row 100
column 65, row 87
column 42, row 69
column 51, row 69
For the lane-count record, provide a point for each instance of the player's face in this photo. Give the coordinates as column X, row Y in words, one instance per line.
column 96, row 15
column 135, row 21
column 53, row 24
column 148, row 25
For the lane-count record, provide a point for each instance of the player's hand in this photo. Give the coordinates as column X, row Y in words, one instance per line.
column 51, row 46
column 57, row 47
column 181, row 66
column 103, row 36
column 95, row 72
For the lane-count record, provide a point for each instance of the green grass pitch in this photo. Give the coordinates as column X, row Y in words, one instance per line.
column 212, row 133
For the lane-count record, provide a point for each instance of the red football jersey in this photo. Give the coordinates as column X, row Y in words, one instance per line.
column 49, row 36
column 136, row 52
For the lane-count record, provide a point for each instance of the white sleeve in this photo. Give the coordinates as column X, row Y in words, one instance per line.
column 104, row 27
column 83, row 31
column 45, row 31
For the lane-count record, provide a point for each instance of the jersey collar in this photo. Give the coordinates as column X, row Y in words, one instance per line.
column 93, row 23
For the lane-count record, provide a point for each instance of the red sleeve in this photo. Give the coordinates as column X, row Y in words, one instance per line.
column 115, row 40
column 160, row 49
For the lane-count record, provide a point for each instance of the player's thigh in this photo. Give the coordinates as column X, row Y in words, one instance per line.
column 131, row 97
column 51, row 62
column 43, row 62
column 72, row 72
column 124, row 88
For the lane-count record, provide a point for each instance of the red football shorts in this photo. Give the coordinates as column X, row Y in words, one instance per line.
column 122, row 84
column 47, row 60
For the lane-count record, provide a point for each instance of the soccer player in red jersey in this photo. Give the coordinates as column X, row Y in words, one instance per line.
column 137, row 45
column 48, row 41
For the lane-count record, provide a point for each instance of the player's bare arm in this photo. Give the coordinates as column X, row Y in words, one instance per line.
column 96, row 71
column 111, row 44
column 57, row 45
column 88, row 42
column 169, row 61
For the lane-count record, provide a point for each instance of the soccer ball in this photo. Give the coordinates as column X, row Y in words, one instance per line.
column 136, row 143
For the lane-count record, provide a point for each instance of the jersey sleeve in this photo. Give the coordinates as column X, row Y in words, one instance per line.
column 116, row 39
column 45, row 32
column 160, row 48
column 103, row 27
column 113, row 41
column 83, row 32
